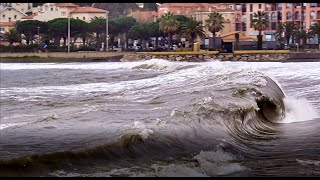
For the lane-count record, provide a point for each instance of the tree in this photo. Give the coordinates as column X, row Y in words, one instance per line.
column 154, row 31
column 315, row 30
column 168, row 25
column 279, row 35
column 30, row 27
column 12, row 36
column 77, row 28
column 97, row 26
column 260, row 23
column 139, row 31
column 215, row 24
column 58, row 28
column 193, row 29
column 124, row 24
column 289, row 28
column 236, row 44
column 301, row 35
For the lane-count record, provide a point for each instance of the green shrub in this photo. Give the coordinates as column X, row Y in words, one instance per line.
column 20, row 48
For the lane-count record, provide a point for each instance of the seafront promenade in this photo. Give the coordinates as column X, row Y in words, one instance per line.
column 191, row 56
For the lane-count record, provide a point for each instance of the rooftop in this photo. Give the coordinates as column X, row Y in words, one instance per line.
column 3, row 24
column 66, row 5
column 88, row 10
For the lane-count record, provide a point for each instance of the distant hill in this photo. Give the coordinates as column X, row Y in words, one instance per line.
column 118, row 9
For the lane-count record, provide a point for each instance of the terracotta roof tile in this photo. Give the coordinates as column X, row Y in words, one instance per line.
column 30, row 17
column 88, row 10
column 12, row 23
column 66, row 5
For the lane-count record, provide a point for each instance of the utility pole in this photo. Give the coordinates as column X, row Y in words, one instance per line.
column 107, row 29
column 38, row 35
column 68, row 32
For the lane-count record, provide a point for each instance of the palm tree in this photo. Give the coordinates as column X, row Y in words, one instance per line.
column 289, row 28
column 315, row 30
column 260, row 23
column 192, row 29
column 279, row 36
column 168, row 25
column 215, row 24
column 301, row 35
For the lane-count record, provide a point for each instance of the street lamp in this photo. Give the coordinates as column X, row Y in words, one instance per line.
column 68, row 33
column 38, row 35
column 107, row 29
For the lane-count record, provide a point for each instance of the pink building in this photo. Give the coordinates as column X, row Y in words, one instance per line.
column 302, row 14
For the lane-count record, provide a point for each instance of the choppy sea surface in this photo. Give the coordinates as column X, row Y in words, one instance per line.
column 160, row 118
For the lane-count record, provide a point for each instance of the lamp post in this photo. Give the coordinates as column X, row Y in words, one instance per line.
column 107, row 30
column 68, row 33
column 38, row 35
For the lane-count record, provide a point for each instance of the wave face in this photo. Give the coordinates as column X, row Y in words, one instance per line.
column 157, row 118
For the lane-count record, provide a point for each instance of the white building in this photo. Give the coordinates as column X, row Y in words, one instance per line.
column 9, row 14
column 23, row 7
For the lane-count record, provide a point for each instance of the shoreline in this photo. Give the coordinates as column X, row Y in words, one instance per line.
column 118, row 59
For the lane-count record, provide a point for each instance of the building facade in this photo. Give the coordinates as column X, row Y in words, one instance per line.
column 22, row 7
column 302, row 14
column 88, row 13
column 10, row 14
column 201, row 11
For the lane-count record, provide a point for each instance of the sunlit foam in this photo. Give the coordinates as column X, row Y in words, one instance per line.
column 298, row 110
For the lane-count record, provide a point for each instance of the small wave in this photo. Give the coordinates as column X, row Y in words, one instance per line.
column 3, row 126
column 298, row 110
column 162, row 65
column 137, row 128
column 308, row 162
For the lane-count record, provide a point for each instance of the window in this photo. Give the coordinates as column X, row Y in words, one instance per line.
column 273, row 16
column 312, row 15
column 231, row 7
column 3, row 16
column 268, row 37
column 251, row 7
column 238, row 7
column 289, row 5
column 63, row 13
column 289, row 16
column 260, row 6
column 9, row 19
column 83, row 18
column 251, row 17
column 1, row 29
column 238, row 26
column 238, row 18
column 77, row 17
column 313, row 4
column 51, row 9
column 15, row 16
column 273, row 26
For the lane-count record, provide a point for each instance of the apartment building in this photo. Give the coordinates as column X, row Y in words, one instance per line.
column 302, row 14
column 49, row 11
column 201, row 11
column 22, row 7
column 87, row 13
